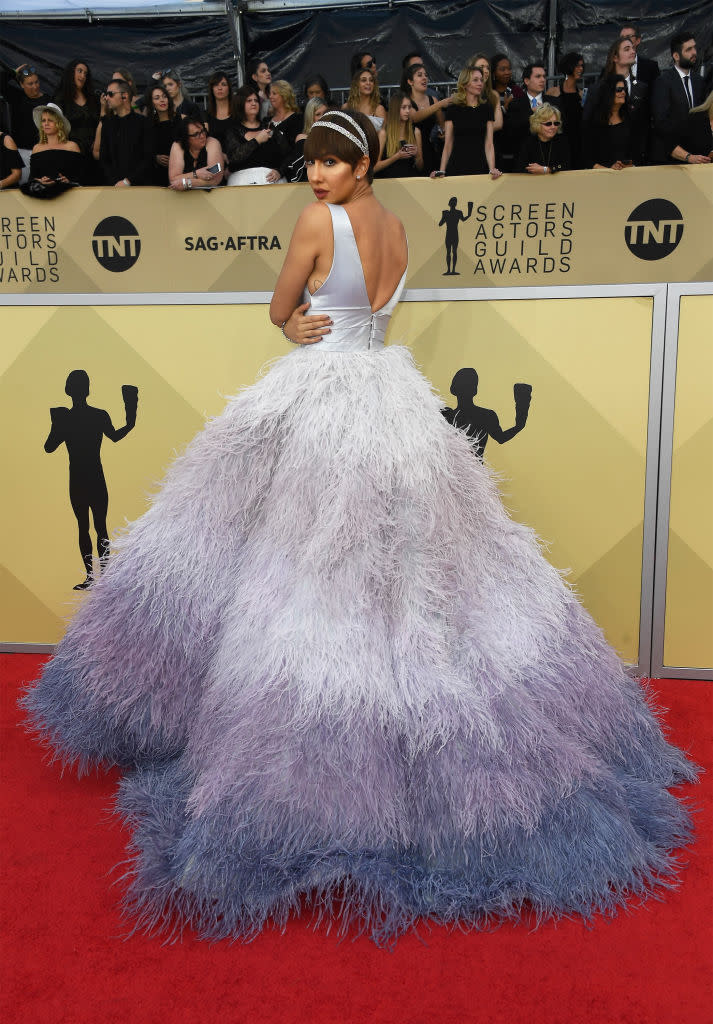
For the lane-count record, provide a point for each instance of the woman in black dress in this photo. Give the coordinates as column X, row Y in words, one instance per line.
column 285, row 119
column 608, row 138
column 426, row 113
column 77, row 99
column 546, row 151
column 56, row 163
column 468, row 148
column 691, row 141
column 256, row 154
column 570, row 102
column 11, row 163
column 191, row 157
column 220, row 113
column 165, row 127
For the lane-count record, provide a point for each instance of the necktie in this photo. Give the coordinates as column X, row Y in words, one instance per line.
column 534, row 103
column 687, row 87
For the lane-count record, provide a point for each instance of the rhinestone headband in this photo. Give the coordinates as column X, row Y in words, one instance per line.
column 359, row 142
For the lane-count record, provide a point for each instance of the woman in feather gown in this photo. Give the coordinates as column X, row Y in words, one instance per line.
column 336, row 674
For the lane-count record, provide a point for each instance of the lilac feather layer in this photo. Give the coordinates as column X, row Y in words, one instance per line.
column 338, row 672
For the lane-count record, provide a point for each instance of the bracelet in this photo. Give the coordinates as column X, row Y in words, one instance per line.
column 126, row 181
column 686, row 157
column 282, row 328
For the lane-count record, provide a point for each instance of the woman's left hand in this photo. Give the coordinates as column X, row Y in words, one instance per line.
column 203, row 174
column 495, row 173
column 272, row 176
column 536, row 169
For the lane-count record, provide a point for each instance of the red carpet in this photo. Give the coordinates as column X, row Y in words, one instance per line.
column 65, row 959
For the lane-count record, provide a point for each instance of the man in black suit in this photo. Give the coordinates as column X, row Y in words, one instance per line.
column 517, row 115
column 676, row 90
column 643, row 69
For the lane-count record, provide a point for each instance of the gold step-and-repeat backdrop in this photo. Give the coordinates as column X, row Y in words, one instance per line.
column 582, row 227
column 688, row 633
column 576, row 472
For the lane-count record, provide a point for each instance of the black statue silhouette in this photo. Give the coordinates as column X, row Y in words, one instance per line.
column 452, row 218
column 82, row 428
column 480, row 423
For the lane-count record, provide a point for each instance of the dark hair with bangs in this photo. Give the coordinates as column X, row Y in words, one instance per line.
column 323, row 142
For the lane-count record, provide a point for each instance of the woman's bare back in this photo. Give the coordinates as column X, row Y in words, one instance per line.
column 381, row 242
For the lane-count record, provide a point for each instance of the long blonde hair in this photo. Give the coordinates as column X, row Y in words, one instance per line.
column 61, row 134
column 463, row 79
column 354, row 97
column 394, row 125
column 488, row 92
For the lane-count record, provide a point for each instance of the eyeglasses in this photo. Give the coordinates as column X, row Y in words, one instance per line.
column 551, row 124
column 196, row 135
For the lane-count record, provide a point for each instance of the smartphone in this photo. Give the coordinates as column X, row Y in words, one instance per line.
column 439, row 174
column 404, row 143
column 215, row 169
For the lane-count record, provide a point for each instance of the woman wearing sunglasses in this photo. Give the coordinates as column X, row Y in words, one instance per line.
column 546, row 150
column 191, row 157
column 608, row 135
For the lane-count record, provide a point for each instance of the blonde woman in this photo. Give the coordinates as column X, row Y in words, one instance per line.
column 285, row 118
column 400, row 150
column 468, row 148
column 481, row 61
column 364, row 97
column 546, row 150
column 56, row 162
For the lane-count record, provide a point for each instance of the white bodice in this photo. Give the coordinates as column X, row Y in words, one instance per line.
column 344, row 297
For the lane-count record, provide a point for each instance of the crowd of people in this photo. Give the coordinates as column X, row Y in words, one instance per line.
column 633, row 114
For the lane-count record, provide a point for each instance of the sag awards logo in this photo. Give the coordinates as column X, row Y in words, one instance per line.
column 508, row 239
column 116, row 244
column 654, row 229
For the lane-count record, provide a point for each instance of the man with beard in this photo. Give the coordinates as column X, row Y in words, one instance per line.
column 676, row 90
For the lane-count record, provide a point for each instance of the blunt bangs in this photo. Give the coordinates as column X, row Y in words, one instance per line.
column 323, row 142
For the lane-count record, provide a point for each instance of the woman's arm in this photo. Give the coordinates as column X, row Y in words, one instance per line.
column 436, row 108
column 214, row 155
column 498, row 117
column 490, row 151
column 447, row 146
column 176, row 174
column 286, row 308
column 419, row 149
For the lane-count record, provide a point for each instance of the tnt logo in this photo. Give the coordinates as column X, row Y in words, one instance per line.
column 654, row 229
column 116, row 244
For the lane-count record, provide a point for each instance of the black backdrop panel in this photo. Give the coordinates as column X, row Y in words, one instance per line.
column 590, row 27
column 298, row 43
column 195, row 46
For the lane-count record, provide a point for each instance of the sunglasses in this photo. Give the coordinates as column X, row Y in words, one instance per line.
column 550, row 124
column 620, row 88
column 196, row 135
column 26, row 72
column 114, row 93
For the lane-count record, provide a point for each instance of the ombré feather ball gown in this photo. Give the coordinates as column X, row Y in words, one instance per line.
column 339, row 675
